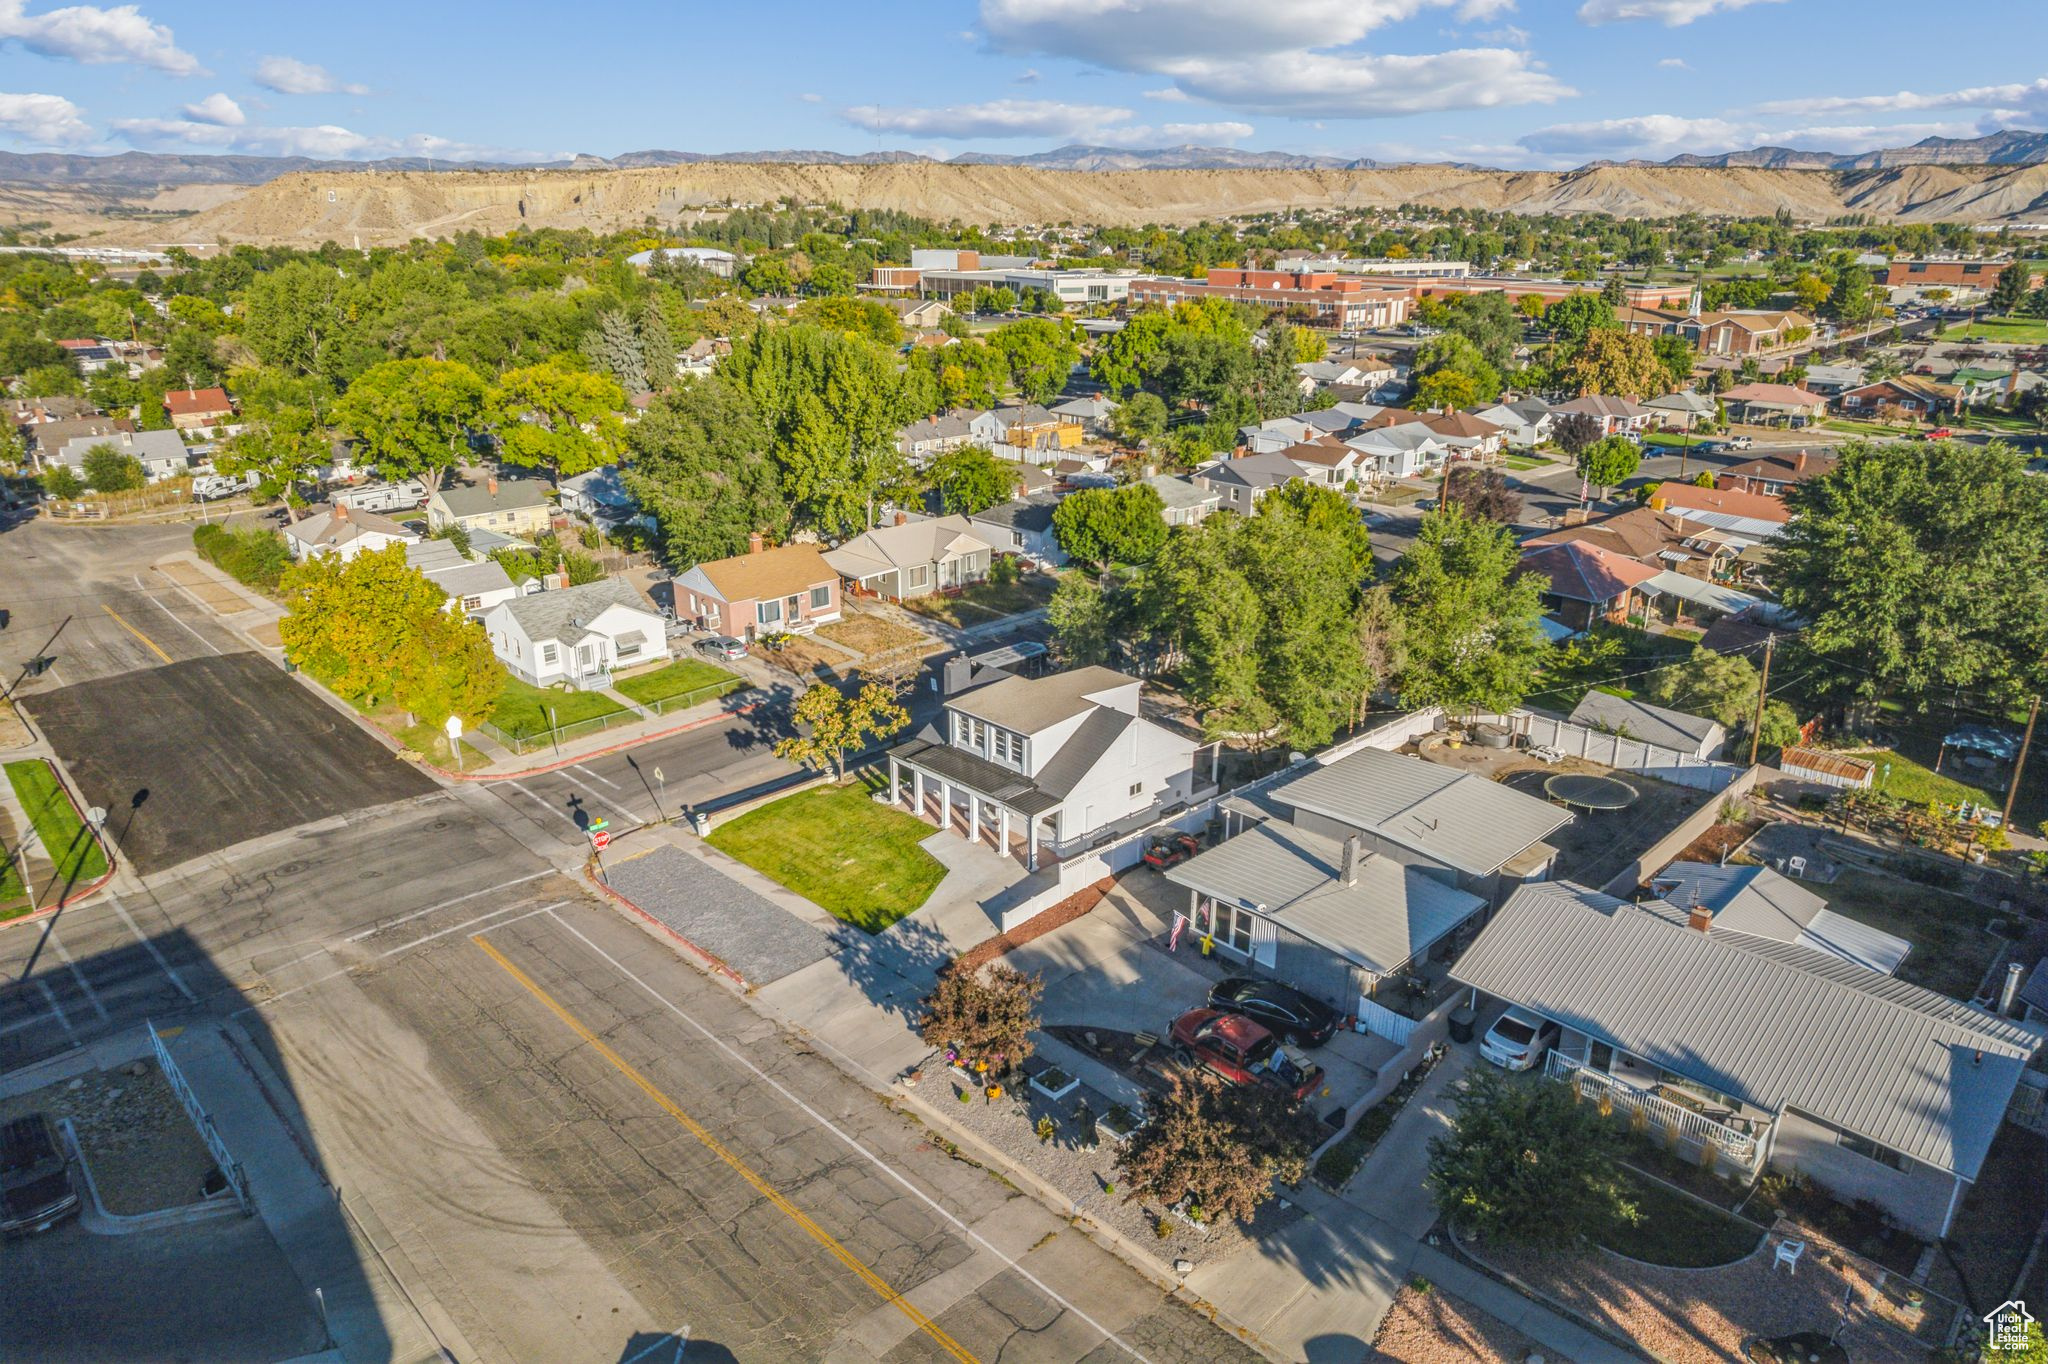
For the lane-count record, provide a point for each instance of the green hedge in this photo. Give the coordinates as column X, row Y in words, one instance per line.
column 255, row 558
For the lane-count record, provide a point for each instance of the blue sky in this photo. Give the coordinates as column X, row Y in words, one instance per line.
column 1537, row 83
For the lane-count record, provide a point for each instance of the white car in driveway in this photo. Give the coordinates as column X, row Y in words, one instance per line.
column 1518, row 1040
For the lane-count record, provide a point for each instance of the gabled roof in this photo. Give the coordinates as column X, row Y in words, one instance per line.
column 1181, row 493
column 1640, row 720
column 1458, row 819
column 565, row 614
column 1460, row 425
column 1029, row 705
column 1295, row 877
column 167, row 446
column 604, row 485
column 1728, row 503
column 1783, row 466
column 1759, row 902
column 445, row 567
column 1266, row 469
column 330, row 528
column 779, row 572
column 924, row 540
column 186, row 402
column 1913, row 386
column 1686, row 400
column 510, row 494
column 1773, row 395
column 1601, row 405
column 1638, row 533
column 1032, row 512
column 1775, row 1025
column 1582, row 572
column 1325, row 451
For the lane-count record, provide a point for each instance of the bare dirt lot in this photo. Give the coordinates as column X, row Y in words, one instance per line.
column 199, row 755
column 144, row 1153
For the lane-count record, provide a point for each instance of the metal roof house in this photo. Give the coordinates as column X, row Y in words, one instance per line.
column 1760, row 902
column 1673, row 729
column 1354, row 872
column 1780, row 1055
column 1065, row 758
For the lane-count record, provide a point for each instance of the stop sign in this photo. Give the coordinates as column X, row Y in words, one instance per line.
column 600, row 839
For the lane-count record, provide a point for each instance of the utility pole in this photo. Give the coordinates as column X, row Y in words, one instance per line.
column 2019, row 765
column 1763, row 694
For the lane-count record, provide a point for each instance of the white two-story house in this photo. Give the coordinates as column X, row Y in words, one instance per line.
column 1053, row 761
column 576, row 635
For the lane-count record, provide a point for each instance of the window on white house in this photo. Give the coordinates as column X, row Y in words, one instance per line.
column 1017, row 538
column 768, row 613
column 1870, row 1150
column 821, row 597
column 1009, row 748
column 1137, row 788
column 472, row 603
column 547, row 653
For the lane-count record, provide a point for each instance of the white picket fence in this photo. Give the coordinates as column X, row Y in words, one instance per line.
column 1381, row 1021
column 1619, row 751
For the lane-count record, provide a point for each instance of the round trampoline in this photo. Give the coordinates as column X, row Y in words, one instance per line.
column 1585, row 792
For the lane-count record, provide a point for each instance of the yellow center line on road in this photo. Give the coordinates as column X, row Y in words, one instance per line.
column 739, row 1167
column 135, row 632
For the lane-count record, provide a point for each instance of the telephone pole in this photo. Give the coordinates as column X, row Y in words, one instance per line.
column 2019, row 765
column 1763, row 694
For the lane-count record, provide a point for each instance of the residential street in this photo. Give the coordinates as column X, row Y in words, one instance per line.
column 577, row 1143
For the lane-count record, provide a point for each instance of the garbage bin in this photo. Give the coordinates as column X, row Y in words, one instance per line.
column 1461, row 1023
column 701, row 822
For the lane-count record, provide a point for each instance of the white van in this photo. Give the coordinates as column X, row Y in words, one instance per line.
column 384, row 497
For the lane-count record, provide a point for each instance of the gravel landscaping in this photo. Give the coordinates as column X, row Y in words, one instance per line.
column 1428, row 1326
column 144, row 1152
column 1701, row 1316
column 1085, row 1174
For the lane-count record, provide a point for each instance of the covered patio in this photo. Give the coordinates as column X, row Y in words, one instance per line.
column 961, row 792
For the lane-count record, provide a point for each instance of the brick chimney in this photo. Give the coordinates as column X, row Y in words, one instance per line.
column 491, row 485
column 756, row 543
column 341, row 511
column 902, row 518
column 1701, row 918
column 1352, row 858
column 1799, row 462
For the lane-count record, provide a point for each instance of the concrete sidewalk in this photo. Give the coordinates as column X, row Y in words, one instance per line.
column 370, row 1316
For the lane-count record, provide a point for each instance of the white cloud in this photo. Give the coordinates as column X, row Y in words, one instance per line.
column 808, row 97
column 43, row 119
column 995, row 118
column 1648, row 135
column 1674, row 64
column 1172, row 94
column 1028, row 76
column 326, row 141
column 95, row 36
column 217, row 109
column 1291, row 57
column 2016, row 99
column 1670, row 13
column 290, row 76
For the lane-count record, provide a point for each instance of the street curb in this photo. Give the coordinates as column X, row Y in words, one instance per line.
column 586, row 757
column 84, row 892
column 710, row 959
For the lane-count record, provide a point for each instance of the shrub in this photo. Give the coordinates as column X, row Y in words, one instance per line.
column 254, row 558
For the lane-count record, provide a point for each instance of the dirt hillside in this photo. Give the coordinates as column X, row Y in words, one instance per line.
column 383, row 207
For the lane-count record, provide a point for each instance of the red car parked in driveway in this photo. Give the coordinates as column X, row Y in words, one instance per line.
column 1241, row 1052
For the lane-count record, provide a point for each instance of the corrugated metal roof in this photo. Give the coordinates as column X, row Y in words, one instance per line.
column 1651, row 724
column 1700, row 592
column 1774, row 1024
column 1291, row 875
column 1031, row 704
column 1458, row 819
column 1758, row 901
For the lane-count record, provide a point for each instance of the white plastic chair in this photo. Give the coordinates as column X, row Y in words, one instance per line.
column 1797, row 866
column 1788, row 1256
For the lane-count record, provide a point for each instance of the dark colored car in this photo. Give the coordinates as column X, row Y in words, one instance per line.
column 1241, row 1052
column 1168, row 852
column 35, row 1179
column 1282, row 1010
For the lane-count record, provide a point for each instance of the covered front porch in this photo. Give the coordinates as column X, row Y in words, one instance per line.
column 1683, row 1113
column 1020, row 823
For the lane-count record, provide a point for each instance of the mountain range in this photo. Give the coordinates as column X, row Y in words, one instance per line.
column 132, row 171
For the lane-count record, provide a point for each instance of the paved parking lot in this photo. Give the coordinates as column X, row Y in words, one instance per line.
column 234, row 749
column 214, row 1291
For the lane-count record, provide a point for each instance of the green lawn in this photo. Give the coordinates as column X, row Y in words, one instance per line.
column 675, row 679
column 837, row 848
column 66, row 842
column 984, row 602
column 522, row 710
column 1676, row 1230
column 1911, row 781
column 1852, row 428
column 2014, row 330
column 1951, row 951
column 1523, row 463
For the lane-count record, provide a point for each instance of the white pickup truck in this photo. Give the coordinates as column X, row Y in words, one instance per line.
column 213, row 487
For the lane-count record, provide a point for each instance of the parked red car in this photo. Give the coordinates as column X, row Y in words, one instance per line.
column 1241, row 1052
column 1169, row 852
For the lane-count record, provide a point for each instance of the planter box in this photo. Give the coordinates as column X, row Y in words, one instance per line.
column 1120, row 1122
column 1054, row 1083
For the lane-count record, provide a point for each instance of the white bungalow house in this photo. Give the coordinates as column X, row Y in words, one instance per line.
column 473, row 587
column 915, row 556
column 576, row 635
column 343, row 533
column 1057, row 760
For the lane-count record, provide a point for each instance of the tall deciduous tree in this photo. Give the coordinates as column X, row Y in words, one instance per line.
column 1608, row 462
column 1468, row 618
column 1104, row 526
column 109, row 470
column 1616, row 363
column 1039, row 354
column 1723, row 688
column 1576, row 316
column 1484, row 494
column 1921, row 568
column 412, row 416
column 550, row 416
column 829, row 723
column 701, row 469
column 970, row 479
column 1529, row 1164
column 1139, row 418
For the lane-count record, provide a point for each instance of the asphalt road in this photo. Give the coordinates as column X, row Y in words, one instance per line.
column 578, row 1145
